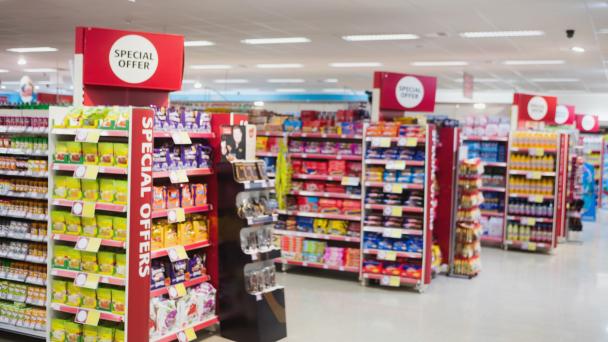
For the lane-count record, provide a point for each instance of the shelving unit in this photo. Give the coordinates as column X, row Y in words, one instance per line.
column 399, row 204
column 23, row 184
column 593, row 153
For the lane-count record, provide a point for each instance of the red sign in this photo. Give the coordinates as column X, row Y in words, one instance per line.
column 131, row 59
column 564, row 115
column 140, row 223
column 535, row 108
column 405, row 92
column 587, row 123
column 468, row 84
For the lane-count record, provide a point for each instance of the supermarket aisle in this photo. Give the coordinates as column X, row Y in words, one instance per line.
column 518, row 297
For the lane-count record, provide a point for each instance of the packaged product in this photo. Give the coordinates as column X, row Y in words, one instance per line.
column 157, row 274
column 73, row 118
column 121, row 187
column 61, row 152
column 196, row 265
column 158, row 198
column 200, row 227
column 178, row 271
column 89, row 298
column 187, row 200
column 89, row 262
column 89, row 226
column 60, row 188
column 165, row 316
column 73, row 332
column 119, row 335
column 74, row 152
column 123, row 119
column 90, row 189
column 89, row 333
column 171, row 238
column 105, row 334
column 157, row 236
column 58, row 224
column 109, row 120
column 91, row 155
column 73, row 224
column 172, row 197
column 106, row 263
column 58, row 330
column 60, row 256
column 185, row 233
column 200, row 194
column 121, row 154
column 73, row 259
column 106, row 190
column 59, row 291
column 106, row 153
column 74, row 296
column 104, row 299
column 118, row 301
column 74, row 191
column 91, row 116
column 105, row 229
column 120, row 228
column 121, row 265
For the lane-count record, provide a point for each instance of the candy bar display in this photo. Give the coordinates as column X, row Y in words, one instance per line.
column 313, row 252
column 103, row 298
column 165, row 235
column 164, row 272
column 179, row 196
column 169, row 156
column 181, row 119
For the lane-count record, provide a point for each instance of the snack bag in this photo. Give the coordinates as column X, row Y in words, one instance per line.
column 73, row 118
column 59, row 291
column 73, row 224
column 60, row 189
column 90, row 189
column 91, row 155
column 171, row 237
column 57, row 330
column 199, row 226
column 61, row 152
column 121, row 265
column 74, row 296
column 200, row 194
column 172, row 197
column 187, row 199
column 60, row 256
column 73, row 259
column 74, row 191
column 120, row 228
column 186, row 233
column 105, row 334
column 74, row 152
column 58, row 224
column 122, row 191
column 105, row 229
column 118, row 301
column 106, row 263
column 106, row 153
column 121, row 154
column 123, row 119
column 119, row 335
column 89, row 298
column 158, row 197
column 89, row 262
column 157, row 236
column 73, row 332
column 89, row 333
column 89, row 226
column 106, row 190
column 104, row 299
column 109, row 120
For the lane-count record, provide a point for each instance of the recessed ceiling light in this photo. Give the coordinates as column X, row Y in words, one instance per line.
column 71, row 87
column 40, row 70
column 372, row 37
column 3, row 70
column 286, row 40
column 190, row 43
column 36, row 87
column 198, row 85
column 534, row 62
column 286, row 80
column 330, row 80
column 502, row 34
column 280, row 66
column 210, row 66
column 440, row 63
column 21, row 61
column 258, row 103
column 231, row 80
column 290, row 90
column 355, row 64
column 577, row 49
column 32, row 49
column 546, row 80
column 479, row 106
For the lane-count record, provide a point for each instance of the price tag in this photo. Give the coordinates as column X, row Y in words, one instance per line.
column 392, row 211
column 88, row 317
column 390, row 281
column 181, row 138
column 350, row 181
column 86, row 172
column 84, row 209
column 391, row 233
column 534, row 175
column 528, row 221
column 393, row 188
column 395, row 165
column 90, row 281
column 535, row 199
column 177, row 253
column 178, row 176
column 407, row 142
column 381, row 142
column 387, row 255
column 88, row 244
column 177, row 291
column 87, row 136
column 536, row 152
column 186, row 335
column 176, row 215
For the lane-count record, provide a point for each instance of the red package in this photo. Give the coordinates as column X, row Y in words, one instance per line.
column 351, row 207
column 335, row 187
column 307, row 115
column 321, row 168
column 328, row 205
column 310, row 204
column 297, row 185
column 336, row 167
column 314, row 186
column 309, row 167
column 354, row 169
column 273, row 144
column 296, row 165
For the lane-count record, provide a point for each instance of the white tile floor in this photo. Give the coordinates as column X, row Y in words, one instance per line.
column 517, row 297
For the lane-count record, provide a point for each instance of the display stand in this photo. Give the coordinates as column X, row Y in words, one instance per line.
column 399, row 204
column 593, row 153
column 23, row 230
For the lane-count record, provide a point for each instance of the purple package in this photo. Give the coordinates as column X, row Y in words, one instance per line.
column 178, row 271
column 344, row 148
column 356, row 149
column 203, row 156
column 189, row 154
column 173, row 119
column 159, row 158
column 312, row 147
column 174, row 161
column 157, row 274
column 329, row 147
column 196, row 266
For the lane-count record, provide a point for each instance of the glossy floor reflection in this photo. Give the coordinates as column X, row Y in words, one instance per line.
column 517, row 297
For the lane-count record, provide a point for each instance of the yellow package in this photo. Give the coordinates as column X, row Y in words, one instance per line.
column 89, row 262
column 73, row 332
column 121, row 154
column 58, row 225
column 123, row 119
column 110, row 117
column 91, row 155
column 106, row 190
column 118, row 302
column 90, row 189
column 120, row 228
column 185, row 233
column 74, row 191
column 337, row 227
column 120, row 270
column 73, row 259
column 61, row 152
column 60, row 189
column 89, row 298
column 91, row 116
column 57, row 330
column 158, row 241
column 261, row 143
column 74, row 152
column 121, row 187
column 106, row 153
column 89, row 333
column 104, row 299
column 89, row 226
column 104, row 227
column 73, row 224
column 73, row 118
column 119, row 335
column 74, row 296
column 59, row 291
column 106, row 263
column 200, row 228
column 60, row 259
column 104, row 334
column 170, row 235
column 320, row 226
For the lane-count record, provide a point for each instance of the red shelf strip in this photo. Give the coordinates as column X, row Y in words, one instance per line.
column 196, row 135
column 325, row 194
column 102, row 169
column 320, row 215
column 325, row 156
column 189, row 283
column 317, row 265
column 102, row 278
column 405, row 209
column 317, row 177
column 106, row 316
column 189, row 210
column 104, row 242
column 317, row 236
column 118, row 208
column 196, row 327
column 165, row 251
column 399, row 254
column 189, row 172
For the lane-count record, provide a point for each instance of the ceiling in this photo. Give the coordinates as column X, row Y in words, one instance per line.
column 437, row 22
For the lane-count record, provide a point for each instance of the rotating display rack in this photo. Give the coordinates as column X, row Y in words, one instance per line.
column 23, row 227
column 399, row 204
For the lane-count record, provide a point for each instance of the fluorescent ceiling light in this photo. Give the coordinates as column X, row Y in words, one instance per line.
column 279, row 66
column 502, row 34
column 188, row 81
column 231, row 80
column 40, row 70
column 535, row 62
column 2, row 87
column 210, row 66
column 11, row 82
column 290, row 90
column 372, row 37
column 286, row 80
column 330, row 80
column 578, row 49
column 32, row 49
column 440, row 63
column 3, row 70
column 286, row 40
column 21, row 61
column 546, row 80
column 354, row 64
column 191, row 43
column 479, row 106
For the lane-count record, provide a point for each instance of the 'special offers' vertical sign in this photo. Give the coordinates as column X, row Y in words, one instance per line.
column 404, row 92
column 133, row 59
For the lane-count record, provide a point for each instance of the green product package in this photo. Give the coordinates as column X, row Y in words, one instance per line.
column 91, row 155
column 60, row 189
column 106, row 263
column 119, row 335
column 106, row 190
column 121, row 154
column 104, row 299
column 89, row 226
column 89, row 262
column 118, row 301
column 74, row 152
column 120, row 228
column 105, row 229
column 104, row 334
column 58, row 224
column 89, row 333
column 74, row 295
column 121, row 187
column 73, row 188
column 89, row 298
column 73, row 331
column 60, row 256
column 59, row 288
column 121, row 265
column 61, row 152
column 90, row 189
column 73, row 224
column 58, row 330
column 106, row 153
column 73, row 259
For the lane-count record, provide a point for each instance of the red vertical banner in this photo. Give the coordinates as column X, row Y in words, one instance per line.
column 427, row 258
column 140, row 222
column 561, row 188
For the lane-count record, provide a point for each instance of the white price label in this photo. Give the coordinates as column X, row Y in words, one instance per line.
column 395, row 165
column 381, row 142
column 350, row 181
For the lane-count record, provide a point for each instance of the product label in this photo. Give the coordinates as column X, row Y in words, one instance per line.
column 392, row 211
column 392, row 233
column 89, row 136
column 387, row 255
column 181, row 138
column 393, row 281
column 395, row 165
column 176, row 215
column 534, row 175
column 536, row 152
column 381, row 142
column 177, row 291
column 86, row 172
column 88, row 244
column 89, row 281
column 409, row 92
column 350, row 181
column 393, row 188
column 88, row 317
column 133, row 58
column 536, row 199
column 407, row 142
column 83, row 209
column 186, row 335
column 178, row 176
column 177, row 253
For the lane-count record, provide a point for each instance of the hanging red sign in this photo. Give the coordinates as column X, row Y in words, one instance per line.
column 587, row 123
column 131, row 59
column 404, row 92
column 564, row 115
column 535, row 107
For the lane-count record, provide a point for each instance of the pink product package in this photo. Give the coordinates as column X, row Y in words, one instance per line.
column 296, row 146
column 329, row 147
column 312, row 147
